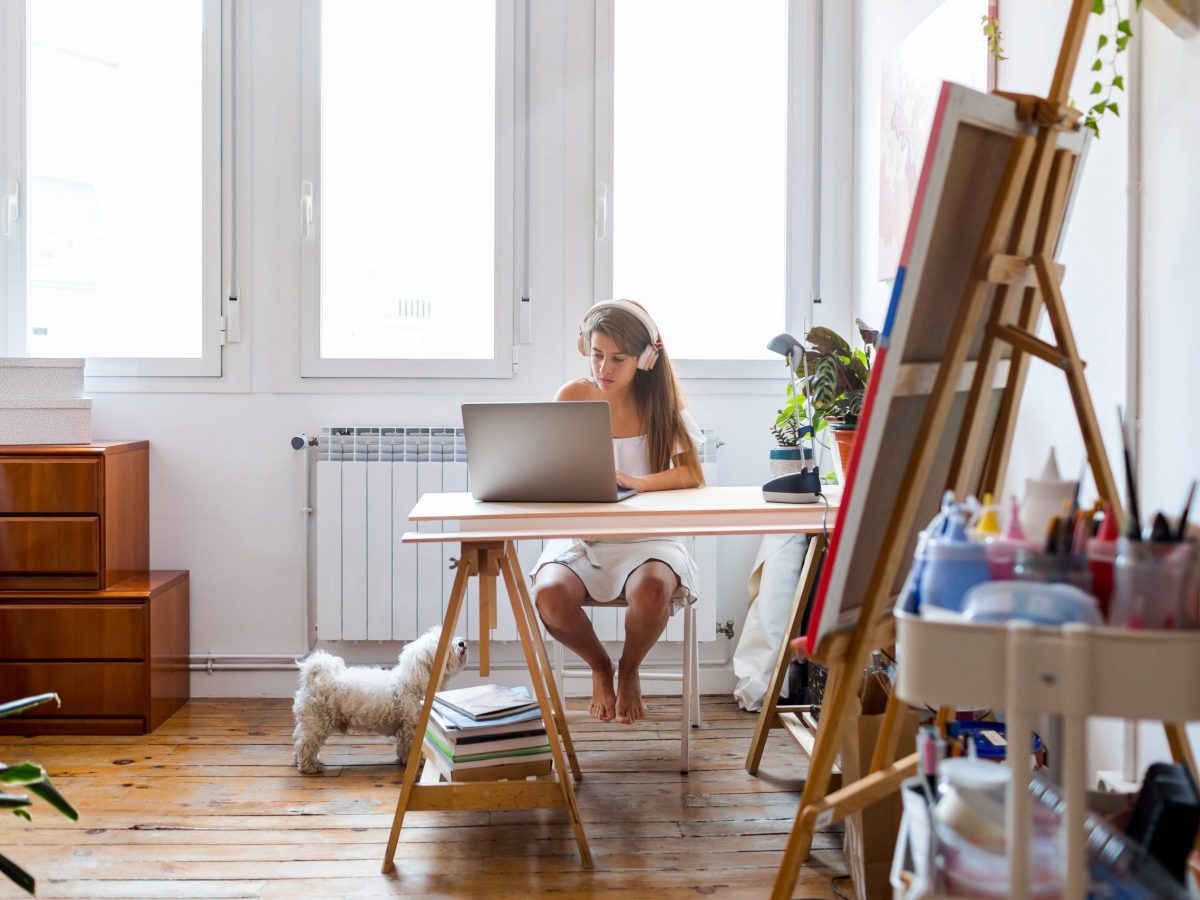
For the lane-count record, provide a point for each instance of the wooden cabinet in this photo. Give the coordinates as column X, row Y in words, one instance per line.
column 74, row 517
column 118, row 658
column 80, row 612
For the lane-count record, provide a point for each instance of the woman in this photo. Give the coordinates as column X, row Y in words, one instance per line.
column 654, row 445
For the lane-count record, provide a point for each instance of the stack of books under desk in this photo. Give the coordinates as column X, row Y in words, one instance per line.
column 486, row 733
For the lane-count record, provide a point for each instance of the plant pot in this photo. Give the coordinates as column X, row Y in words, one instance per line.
column 843, row 437
column 785, row 460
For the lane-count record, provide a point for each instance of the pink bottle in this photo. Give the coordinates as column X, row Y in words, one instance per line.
column 1002, row 551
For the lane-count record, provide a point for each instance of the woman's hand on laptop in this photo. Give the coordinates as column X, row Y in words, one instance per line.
column 631, row 482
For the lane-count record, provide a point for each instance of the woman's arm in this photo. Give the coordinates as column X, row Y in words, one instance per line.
column 683, row 475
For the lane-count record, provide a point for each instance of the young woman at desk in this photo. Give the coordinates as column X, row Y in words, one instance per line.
column 654, row 445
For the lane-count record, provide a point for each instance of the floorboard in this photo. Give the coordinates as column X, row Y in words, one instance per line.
column 211, row 805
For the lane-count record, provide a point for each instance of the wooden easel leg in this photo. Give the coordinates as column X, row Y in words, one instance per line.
column 542, row 685
column 816, row 782
column 1056, row 309
column 457, row 593
column 889, row 734
column 526, row 607
column 1181, row 751
column 768, row 716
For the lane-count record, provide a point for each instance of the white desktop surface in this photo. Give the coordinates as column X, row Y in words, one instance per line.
column 694, row 511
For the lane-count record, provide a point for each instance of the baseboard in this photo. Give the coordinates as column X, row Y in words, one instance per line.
column 282, row 683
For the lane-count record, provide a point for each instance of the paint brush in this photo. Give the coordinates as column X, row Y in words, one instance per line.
column 1181, row 528
column 1133, row 528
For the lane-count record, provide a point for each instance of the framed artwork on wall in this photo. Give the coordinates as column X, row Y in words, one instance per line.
column 949, row 45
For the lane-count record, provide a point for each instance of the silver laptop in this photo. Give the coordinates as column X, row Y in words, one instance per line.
column 541, row 452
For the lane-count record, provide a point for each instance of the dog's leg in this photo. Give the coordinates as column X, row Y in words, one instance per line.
column 404, row 740
column 308, row 745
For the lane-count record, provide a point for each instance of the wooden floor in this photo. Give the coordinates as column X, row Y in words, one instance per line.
column 211, row 805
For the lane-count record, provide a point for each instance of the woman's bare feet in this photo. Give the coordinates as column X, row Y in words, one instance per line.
column 629, row 697
column 604, row 700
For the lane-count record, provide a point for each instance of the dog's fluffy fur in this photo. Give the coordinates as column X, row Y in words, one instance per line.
column 334, row 697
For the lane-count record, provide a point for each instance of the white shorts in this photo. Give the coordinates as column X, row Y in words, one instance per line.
column 605, row 566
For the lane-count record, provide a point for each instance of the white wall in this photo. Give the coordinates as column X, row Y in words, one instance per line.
column 226, row 487
column 1169, row 309
column 1094, row 252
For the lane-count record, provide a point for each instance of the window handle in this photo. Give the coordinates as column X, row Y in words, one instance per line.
column 600, row 212
column 306, row 209
column 12, row 207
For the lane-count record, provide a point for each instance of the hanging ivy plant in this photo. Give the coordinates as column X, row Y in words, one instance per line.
column 1108, row 80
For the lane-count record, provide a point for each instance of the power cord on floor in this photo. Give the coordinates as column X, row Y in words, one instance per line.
column 833, row 886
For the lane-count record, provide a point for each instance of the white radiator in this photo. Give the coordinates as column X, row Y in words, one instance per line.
column 371, row 586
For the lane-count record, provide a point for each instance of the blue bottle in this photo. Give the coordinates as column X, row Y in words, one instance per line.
column 954, row 564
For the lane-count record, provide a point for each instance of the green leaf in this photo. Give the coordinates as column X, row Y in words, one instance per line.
column 1096, row 88
column 1121, row 42
column 17, row 875
column 15, row 706
column 1123, row 27
column 1113, row 108
column 1100, row 44
column 25, row 773
column 22, row 813
column 1099, row 107
column 1096, row 66
column 10, row 801
column 1098, row 7
column 1119, row 82
column 50, row 794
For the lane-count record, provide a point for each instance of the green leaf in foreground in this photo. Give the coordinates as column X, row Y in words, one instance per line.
column 19, row 876
column 12, row 707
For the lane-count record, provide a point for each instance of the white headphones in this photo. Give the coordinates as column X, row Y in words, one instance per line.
column 648, row 356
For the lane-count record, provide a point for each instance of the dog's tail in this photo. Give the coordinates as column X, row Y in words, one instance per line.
column 319, row 668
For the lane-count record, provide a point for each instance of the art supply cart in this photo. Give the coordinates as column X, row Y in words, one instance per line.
column 1073, row 671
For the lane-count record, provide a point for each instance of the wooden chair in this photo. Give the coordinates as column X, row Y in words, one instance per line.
column 690, row 676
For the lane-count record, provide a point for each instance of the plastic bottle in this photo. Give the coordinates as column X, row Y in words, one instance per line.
column 1002, row 551
column 986, row 524
column 910, row 593
column 1044, row 497
column 1101, row 554
column 954, row 564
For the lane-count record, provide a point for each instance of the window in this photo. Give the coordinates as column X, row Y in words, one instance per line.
column 701, row 168
column 111, row 211
column 407, row 204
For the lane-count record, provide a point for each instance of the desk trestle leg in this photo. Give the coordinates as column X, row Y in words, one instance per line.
column 487, row 560
column 510, row 561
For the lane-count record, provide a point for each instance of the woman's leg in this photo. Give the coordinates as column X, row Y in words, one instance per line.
column 648, row 593
column 558, row 594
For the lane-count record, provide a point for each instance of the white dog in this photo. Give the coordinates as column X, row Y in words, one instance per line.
column 336, row 698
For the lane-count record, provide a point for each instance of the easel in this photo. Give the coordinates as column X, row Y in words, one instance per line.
column 1014, row 261
column 487, row 560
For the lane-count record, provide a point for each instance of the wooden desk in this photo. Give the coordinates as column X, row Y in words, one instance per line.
column 488, row 533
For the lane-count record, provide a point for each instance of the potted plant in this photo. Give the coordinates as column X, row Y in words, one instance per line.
column 836, row 379
column 792, row 426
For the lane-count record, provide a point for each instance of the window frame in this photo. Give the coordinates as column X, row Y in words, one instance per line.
column 14, row 164
column 803, row 215
column 509, row 212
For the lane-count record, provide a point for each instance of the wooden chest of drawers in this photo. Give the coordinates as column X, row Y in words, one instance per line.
column 73, row 517
column 80, row 612
column 118, row 658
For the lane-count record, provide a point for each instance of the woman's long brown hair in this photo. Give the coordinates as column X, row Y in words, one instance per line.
column 655, row 390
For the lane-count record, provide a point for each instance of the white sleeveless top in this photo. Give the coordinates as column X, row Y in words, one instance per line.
column 605, row 566
column 632, row 454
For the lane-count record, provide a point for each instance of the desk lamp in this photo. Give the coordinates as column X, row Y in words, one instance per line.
column 803, row 486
